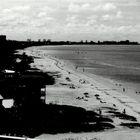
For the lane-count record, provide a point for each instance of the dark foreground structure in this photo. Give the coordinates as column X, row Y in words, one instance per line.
column 11, row 138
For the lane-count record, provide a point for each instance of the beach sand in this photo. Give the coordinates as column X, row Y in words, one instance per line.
column 101, row 94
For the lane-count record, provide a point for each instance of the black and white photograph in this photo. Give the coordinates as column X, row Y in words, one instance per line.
column 69, row 69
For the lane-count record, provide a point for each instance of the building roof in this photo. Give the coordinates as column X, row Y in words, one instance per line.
column 9, row 71
column 1, row 97
column 7, row 103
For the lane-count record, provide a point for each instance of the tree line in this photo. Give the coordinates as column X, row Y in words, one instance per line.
column 50, row 42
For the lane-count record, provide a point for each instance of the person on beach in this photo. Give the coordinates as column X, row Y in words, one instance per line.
column 100, row 112
column 83, row 69
column 123, row 89
column 124, row 111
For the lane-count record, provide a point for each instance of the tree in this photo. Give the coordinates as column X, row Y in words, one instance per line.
column 39, row 40
column 28, row 40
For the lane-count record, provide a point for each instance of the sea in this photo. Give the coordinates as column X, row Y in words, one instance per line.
column 119, row 62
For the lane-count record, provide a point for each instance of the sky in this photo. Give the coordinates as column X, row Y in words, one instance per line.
column 73, row 20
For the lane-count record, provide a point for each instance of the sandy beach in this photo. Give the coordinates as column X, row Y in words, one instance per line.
column 92, row 92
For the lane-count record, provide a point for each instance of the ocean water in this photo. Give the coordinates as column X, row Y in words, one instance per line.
column 110, row 61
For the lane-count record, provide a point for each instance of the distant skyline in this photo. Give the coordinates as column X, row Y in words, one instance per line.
column 73, row 20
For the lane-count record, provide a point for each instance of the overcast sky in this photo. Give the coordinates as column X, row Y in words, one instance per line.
column 70, row 19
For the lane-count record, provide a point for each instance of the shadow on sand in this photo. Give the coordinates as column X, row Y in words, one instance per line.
column 35, row 119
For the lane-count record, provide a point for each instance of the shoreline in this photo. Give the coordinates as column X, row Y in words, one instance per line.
column 130, row 88
column 103, row 83
column 66, row 92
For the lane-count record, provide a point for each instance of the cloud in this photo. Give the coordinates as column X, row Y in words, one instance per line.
column 14, row 15
column 90, row 7
column 72, row 18
column 119, row 14
column 107, row 17
column 75, row 21
column 21, row 8
column 93, row 24
column 16, row 9
column 77, row 8
column 47, row 9
column 42, row 14
column 105, row 7
column 42, row 23
column 109, row 7
column 74, row 8
column 23, row 19
column 102, row 31
column 91, row 21
column 110, row 17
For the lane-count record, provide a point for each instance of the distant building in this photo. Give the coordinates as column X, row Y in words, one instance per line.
column 2, row 38
column 1, row 97
column 43, row 94
column 8, row 73
column 7, row 103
